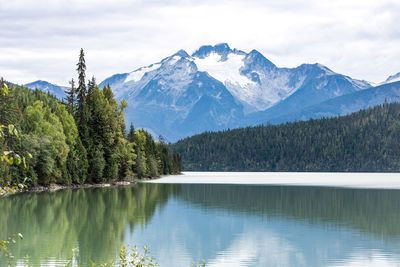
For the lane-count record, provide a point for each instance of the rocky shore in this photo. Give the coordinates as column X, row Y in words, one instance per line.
column 5, row 191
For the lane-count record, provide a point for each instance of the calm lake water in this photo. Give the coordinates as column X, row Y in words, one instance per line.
column 225, row 225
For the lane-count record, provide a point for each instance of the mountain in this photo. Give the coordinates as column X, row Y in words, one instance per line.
column 56, row 90
column 346, row 104
column 217, row 87
column 320, row 85
column 364, row 141
column 393, row 78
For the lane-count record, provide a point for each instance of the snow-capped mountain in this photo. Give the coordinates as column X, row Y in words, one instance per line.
column 346, row 104
column 56, row 90
column 173, row 97
column 218, row 87
column 393, row 78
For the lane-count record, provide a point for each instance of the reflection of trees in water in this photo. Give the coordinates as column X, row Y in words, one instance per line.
column 368, row 210
column 96, row 220
column 93, row 220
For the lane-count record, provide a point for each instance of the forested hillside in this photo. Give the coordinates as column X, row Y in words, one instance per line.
column 80, row 140
column 368, row 140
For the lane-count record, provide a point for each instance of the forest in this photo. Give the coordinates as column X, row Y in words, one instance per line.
column 81, row 139
column 365, row 141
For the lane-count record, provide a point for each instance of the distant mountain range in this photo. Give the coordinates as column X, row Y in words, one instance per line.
column 56, row 90
column 364, row 141
column 218, row 88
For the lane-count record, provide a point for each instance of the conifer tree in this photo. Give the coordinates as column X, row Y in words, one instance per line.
column 81, row 90
column 71, row 97
column 82, row 141
column 91, row 85
column 131, row 134
column 82, row 114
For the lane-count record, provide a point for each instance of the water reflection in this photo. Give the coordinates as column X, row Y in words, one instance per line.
column 222, row 224
column 91, row 220
column 374, row 211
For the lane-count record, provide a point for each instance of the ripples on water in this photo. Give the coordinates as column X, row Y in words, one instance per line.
column 225, row 225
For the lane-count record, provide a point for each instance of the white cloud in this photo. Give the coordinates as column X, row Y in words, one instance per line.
column 41, row 39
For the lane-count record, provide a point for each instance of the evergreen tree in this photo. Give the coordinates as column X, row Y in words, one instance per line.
column 365, row 141
column 131, row 134
column 81, row 69
column 71, row 97
column 82, row 114
column 81, row 141
column 140, row 165
column 91, row 85
column 77, row 164
column 97, row 164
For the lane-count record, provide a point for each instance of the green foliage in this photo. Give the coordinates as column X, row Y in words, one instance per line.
column 97, row 164
column 44, row 136
column 77, row 163
column 71, row 97
column 82, row 114
column 81, row 141
column 69, row 216
column 127, row 257
column 8, row 135
column 127, row 159
column 132, row 258
column 5, row 247
column 154, row 158
column 367, row 141
column 141, row 160
column 68, row 124
column 135, row 258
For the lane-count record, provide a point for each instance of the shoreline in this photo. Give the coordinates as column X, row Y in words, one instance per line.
column 311, row 179
column 8, row 191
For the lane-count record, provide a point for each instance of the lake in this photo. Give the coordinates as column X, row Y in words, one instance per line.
column 222, row 224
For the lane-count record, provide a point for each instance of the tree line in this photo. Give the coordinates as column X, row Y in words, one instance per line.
column 79, row 140
column 365, row 141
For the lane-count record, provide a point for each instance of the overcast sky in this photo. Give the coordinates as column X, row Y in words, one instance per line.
column 40, row 39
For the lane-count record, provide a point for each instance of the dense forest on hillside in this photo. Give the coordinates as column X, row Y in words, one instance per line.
column 368, row 140
column 80, row 140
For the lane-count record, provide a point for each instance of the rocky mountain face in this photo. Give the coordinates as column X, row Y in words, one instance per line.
column 217, row 88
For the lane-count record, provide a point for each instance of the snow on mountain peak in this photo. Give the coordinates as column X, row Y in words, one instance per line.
column 219, row 86
column 393, row 78
column 138, row 74
column 325, row 69
column 255, row 60
column 226, row 71
column 182, row 53
column 250, row 77
column 222, row 49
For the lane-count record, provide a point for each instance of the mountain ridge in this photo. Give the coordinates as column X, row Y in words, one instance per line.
column 242, row 89
column 250, row 83
column 47, row 87
column 363, row 141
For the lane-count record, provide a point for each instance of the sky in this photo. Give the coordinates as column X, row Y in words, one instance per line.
column 41, row 39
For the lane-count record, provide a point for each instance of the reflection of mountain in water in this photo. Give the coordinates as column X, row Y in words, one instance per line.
column 231, row 225
column 226, row 225
column 368, row 210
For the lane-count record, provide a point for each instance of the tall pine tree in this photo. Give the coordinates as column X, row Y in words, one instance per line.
column 131, row 134
column 82, row 114
column 91, row 85
column 71, row 97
